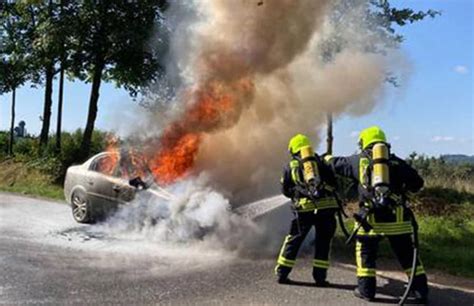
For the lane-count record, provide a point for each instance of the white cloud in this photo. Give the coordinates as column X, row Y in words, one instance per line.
column 354, row 134
column 461, row 69
column 442, row 139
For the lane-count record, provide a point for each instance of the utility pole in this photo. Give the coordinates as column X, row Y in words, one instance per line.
column 329, row 135
column 12, row 124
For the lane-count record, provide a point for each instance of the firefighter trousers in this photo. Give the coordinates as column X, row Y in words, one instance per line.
column 366, row 255
column 324, row 223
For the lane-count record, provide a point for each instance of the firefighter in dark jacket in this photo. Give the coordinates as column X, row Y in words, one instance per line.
column 309, row 183
column 383, row 209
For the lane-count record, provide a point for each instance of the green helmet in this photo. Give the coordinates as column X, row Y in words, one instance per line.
column 297, row 142
column 370, row 136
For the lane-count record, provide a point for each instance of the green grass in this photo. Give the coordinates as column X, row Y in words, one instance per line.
column 51, row 192
column 19, row 178
column 447, row 243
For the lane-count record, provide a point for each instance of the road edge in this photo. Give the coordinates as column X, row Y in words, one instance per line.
column 398, row 275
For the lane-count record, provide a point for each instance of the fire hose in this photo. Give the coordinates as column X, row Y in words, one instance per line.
column 415, row 257
column 341, row 214
column 361, row 219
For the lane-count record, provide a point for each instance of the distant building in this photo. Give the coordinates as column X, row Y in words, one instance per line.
column 20, row 130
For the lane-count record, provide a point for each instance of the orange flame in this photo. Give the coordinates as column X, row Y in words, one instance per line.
column 107, row 165
column 216, row 106
column 212, row 107
column 173, row 162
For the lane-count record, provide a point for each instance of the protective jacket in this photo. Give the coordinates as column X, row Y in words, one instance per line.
column 293, row 177
column 392, row 221
column 310, row 212
column 403, row 178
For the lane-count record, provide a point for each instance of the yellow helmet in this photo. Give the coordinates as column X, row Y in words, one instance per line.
column 371, row 135
column 297, row 142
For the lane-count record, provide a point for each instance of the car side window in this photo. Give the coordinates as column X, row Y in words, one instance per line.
column 104, row 164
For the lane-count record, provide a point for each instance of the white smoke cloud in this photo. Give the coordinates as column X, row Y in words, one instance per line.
column 197, row 214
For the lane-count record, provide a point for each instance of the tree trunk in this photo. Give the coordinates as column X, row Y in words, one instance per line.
column 12, row 124
column 48, row 101
column 60, row 109
column 329, row 138
column 93, row 102
column 61, row 88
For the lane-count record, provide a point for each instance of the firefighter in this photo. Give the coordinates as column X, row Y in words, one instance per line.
column 309, row 183
column 383, row 183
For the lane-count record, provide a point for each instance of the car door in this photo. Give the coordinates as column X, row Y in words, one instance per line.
column 125, row 192
column 102, row 189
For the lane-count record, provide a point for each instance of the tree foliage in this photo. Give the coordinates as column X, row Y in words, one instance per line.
column 90, row 40
column 115, row 34
column 15, row 58
column 439, row 168
column 375, row 21
column 111, row 45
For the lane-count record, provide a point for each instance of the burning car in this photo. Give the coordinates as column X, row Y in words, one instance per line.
column 107, row 180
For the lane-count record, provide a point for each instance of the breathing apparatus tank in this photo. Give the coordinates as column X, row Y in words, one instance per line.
column 380, row 173
column 310, row 168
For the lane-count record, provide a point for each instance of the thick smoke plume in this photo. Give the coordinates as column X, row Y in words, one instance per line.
column 244, row 76
column 248, row 75
column 237, row 42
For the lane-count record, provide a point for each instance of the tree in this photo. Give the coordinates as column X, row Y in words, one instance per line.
column 14, row 58
column 381, row 18
column 46, row 47
column 39, row 35
column 66, row 17
column 111, row 45
column 47, row 50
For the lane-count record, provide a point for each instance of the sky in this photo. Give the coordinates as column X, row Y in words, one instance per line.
column 430, row 113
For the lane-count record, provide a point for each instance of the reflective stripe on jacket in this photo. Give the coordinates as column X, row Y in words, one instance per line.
column 402, row 176
column 304, row 204
column 393, row 227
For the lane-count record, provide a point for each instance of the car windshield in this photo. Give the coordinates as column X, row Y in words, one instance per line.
column 131, row 166
column 124, row 165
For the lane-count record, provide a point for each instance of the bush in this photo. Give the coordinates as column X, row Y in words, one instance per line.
column 51, row 162
column 26, row 146
column 448, row 185
column 439, row 173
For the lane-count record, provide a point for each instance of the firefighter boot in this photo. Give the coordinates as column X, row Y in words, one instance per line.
column 282, row 275
column 319, row 276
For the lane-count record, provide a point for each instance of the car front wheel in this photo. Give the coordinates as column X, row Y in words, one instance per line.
column 81, row 208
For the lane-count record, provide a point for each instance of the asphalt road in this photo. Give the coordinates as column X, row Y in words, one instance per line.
column 46, row 258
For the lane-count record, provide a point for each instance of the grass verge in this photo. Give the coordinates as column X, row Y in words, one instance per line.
column 447, row 243
column 19, row 178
